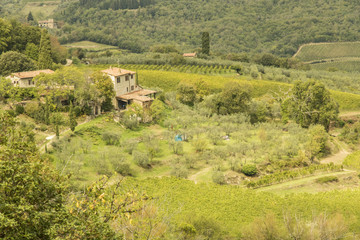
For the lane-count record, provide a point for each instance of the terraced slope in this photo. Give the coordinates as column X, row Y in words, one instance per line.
column 322, row 51
column 343, row 56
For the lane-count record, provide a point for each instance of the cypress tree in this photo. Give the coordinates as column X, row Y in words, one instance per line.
column 45, row 60
column 205, row 43
column 72, row 118
column 57, row 131
column 30, row 17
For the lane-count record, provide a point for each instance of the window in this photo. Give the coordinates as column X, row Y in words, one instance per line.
column 132, row 76
column 118, row 79
column 132, row 88
column 29, row 82
column 127, row 89
column 126, row 78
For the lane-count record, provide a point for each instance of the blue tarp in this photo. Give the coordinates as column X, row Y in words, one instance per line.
column 178, row 138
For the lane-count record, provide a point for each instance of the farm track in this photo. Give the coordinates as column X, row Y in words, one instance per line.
column 52, row 138
column 337, row 159
column 302, row 181
column 333, row 60
column 195, row 176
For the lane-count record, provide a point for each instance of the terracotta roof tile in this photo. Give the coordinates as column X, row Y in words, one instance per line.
column 138, row 95
column 117, row 72
column 31, row 74
column 189, row 54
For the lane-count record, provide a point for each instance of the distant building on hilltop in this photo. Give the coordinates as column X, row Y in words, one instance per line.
column 190, row 55
column 25, row 79
column 127, row 90
column 48, row 24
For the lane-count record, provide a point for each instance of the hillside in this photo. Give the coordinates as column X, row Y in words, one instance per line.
column 275, row 26
column 331, row 56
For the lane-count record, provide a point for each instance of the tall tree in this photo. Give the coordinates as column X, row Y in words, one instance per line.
column 72, row 118
column 310, row 103
column 4, row 34
column 30, row 17
column 31, row 194
column 45, row 60
column 104, row 84
column 15, row 62
column 205, row 43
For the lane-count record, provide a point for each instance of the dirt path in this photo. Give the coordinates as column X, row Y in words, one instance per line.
column 339, row 157
column 301, row 182
column 195, row 176
column 51, row 138
column 349, row 114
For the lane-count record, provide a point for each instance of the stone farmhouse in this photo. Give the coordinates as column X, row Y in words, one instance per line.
column 25, row 79
column 48, row 24
column 127, row 90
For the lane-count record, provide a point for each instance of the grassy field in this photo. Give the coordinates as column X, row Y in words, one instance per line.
column 41, row 10
column 235, row 207
column 168, row 81
column 319, row 51
column 344, row 56
column 90, row 46
column 348, row 66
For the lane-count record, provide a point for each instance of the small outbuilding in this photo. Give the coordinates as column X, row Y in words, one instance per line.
column 25, row 79
column 190, row 55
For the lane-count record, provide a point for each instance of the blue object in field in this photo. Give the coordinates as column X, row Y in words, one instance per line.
column 178, row 138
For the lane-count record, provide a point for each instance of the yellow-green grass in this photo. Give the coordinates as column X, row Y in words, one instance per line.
column 168, row 81
column 319, row 51
column 346, row 65
column 41, row 10
column 234, row 207
column 309, row 185
column 90, row 46
column 353, row 160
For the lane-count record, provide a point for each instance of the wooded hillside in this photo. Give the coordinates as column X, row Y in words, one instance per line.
column 277, row 26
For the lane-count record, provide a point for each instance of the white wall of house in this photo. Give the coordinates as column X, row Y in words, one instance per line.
column 124, row 84
column 22, row 82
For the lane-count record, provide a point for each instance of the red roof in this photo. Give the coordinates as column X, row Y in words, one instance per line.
column 138, row 95
column 189, row 54
column 31, row 74
column 117, row 72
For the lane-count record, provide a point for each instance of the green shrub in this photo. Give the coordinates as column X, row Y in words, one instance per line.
column 102, row 167
column 218, row 177
column 130, row 145
column 327, row 179
column 179, row 171
column 19, row 109
column 43, row 127
column 200, row 145
column 111, row 138
column 249, row 169
column 122, row 168
column 11, row 112
column 77, row 111
column 141, row 159
column 353, row 160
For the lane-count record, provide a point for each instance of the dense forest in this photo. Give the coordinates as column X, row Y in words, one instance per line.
column 278, row 26
column 115, row 4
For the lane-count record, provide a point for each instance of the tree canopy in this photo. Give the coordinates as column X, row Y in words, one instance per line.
column 11, row 62
column 310, row 103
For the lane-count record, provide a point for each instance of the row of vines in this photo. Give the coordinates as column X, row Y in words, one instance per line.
column 215, row 69
column 279, row 177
